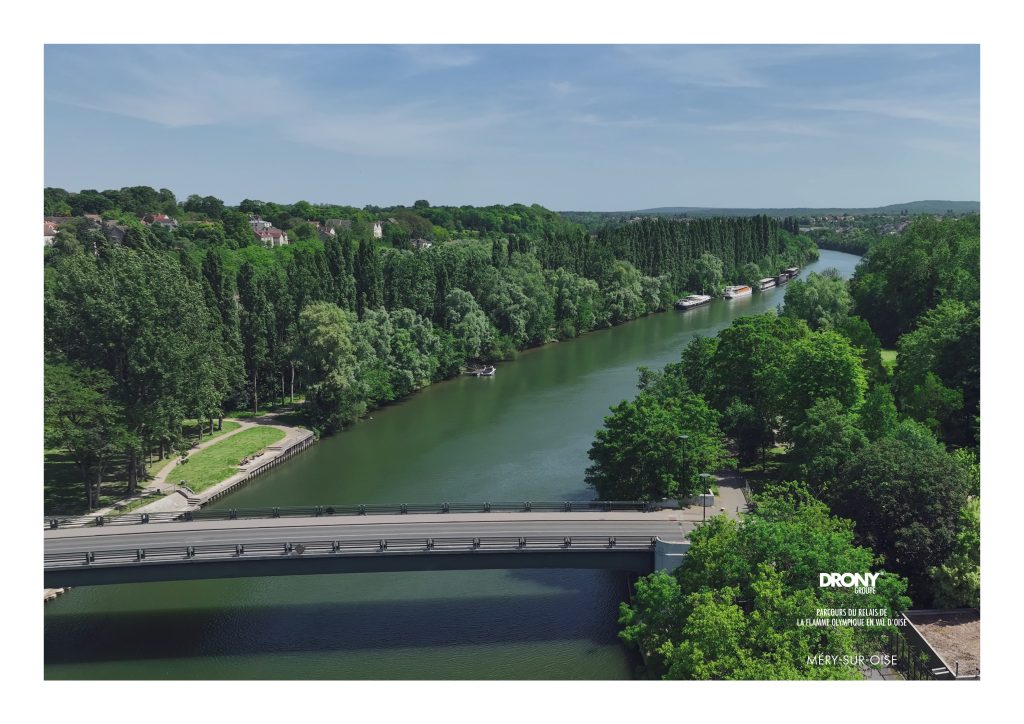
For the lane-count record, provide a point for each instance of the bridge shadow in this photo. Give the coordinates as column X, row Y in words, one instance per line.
column 333, row 626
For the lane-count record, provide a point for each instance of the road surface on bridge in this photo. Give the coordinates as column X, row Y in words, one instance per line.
column 668, row 525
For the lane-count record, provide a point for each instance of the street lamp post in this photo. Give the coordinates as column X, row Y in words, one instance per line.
column 704, row 500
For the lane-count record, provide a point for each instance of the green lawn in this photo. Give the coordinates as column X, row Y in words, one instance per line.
column 64, row 492
column 889, row 359
column 219, row 462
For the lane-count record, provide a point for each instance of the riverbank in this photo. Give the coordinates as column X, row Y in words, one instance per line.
column 214, row 470
column 272, row 450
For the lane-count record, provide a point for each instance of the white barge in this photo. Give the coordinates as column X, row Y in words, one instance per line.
column 736, row 292
column 694, row 300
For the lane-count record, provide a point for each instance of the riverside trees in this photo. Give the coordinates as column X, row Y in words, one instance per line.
column 731, row 610
column 656, row 447
column 901, row 468
column 192, row 321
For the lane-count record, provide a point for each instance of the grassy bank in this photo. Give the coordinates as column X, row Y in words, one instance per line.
column 219, row 462
column 64, row 491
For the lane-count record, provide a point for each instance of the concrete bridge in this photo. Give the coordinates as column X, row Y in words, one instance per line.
column 232, row 546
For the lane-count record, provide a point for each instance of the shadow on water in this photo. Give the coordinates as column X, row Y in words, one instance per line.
column 321, row 627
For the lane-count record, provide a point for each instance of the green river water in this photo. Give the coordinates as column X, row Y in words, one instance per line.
column 521, row 435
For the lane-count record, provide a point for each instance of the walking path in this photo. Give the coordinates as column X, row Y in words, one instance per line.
column 730, row 499
column 182, row 499
column 175, row 499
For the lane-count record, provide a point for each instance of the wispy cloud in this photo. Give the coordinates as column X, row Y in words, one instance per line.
column 179, row 90
column 413, row 130
column 429, row 57
column 175, row 87
column 595, row 119
column 562, row 88
column 725, row 66
column 795, row 127
column 939, row 110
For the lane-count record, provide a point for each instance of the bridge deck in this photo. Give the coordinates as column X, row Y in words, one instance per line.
column 228, row 548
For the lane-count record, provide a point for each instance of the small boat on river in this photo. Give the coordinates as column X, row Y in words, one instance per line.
column 738, row 291
column 487, row 371
column 694, row 300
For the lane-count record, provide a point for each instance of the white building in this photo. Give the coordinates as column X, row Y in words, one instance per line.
column 271, row 237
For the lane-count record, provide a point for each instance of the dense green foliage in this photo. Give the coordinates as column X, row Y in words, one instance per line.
column 957, row 582
column 82, row 418
column 937, row 380
column 657, row 445
column 697, row 254
column 905, row 275
column 906, row 494
column 822, row 300
column 880, row 449
column 731, row 610
column 193, row 319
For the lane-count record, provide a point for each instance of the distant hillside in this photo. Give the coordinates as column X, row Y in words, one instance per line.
column 913, row 207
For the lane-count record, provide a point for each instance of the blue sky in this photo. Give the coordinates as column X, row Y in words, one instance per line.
column 576, row 127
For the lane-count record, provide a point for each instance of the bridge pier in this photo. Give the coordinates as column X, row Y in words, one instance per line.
column 668, row 555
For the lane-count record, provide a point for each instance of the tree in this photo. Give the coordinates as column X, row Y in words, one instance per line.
column 209, row 206
column 822, row 365
column 904, row 275
column 822, row 300
column 256, row 325
column 906, row 497
column 709, row 273
column 140, row 317
column 823, row 443
column 655, row 615
column 750, row 430
column 750, row 362
column 333, row 397
column 957, row 582
column 80, row 417
column 861, row 337
column 749, row 274
column 577, row 302
column 653, row 448
column 878, row 415
column 937, row 381
column 696, row 359
column 369, row 277
column 729, row 610
column 624, row 294
column 474, row 334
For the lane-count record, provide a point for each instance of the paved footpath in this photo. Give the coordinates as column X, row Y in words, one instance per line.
column 730, row 499
column 178, row 500
column 174, row 500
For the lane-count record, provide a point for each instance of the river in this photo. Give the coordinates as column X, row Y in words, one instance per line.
column 520, row 435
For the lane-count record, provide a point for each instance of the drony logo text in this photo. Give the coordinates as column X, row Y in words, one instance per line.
column 863, row 583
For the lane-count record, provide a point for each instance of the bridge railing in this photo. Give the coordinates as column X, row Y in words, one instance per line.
column 362, row 547
column 305, row 511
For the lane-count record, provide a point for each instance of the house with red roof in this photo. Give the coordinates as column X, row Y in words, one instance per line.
column 160, row 220
column 49, row 231
column 271, row 237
